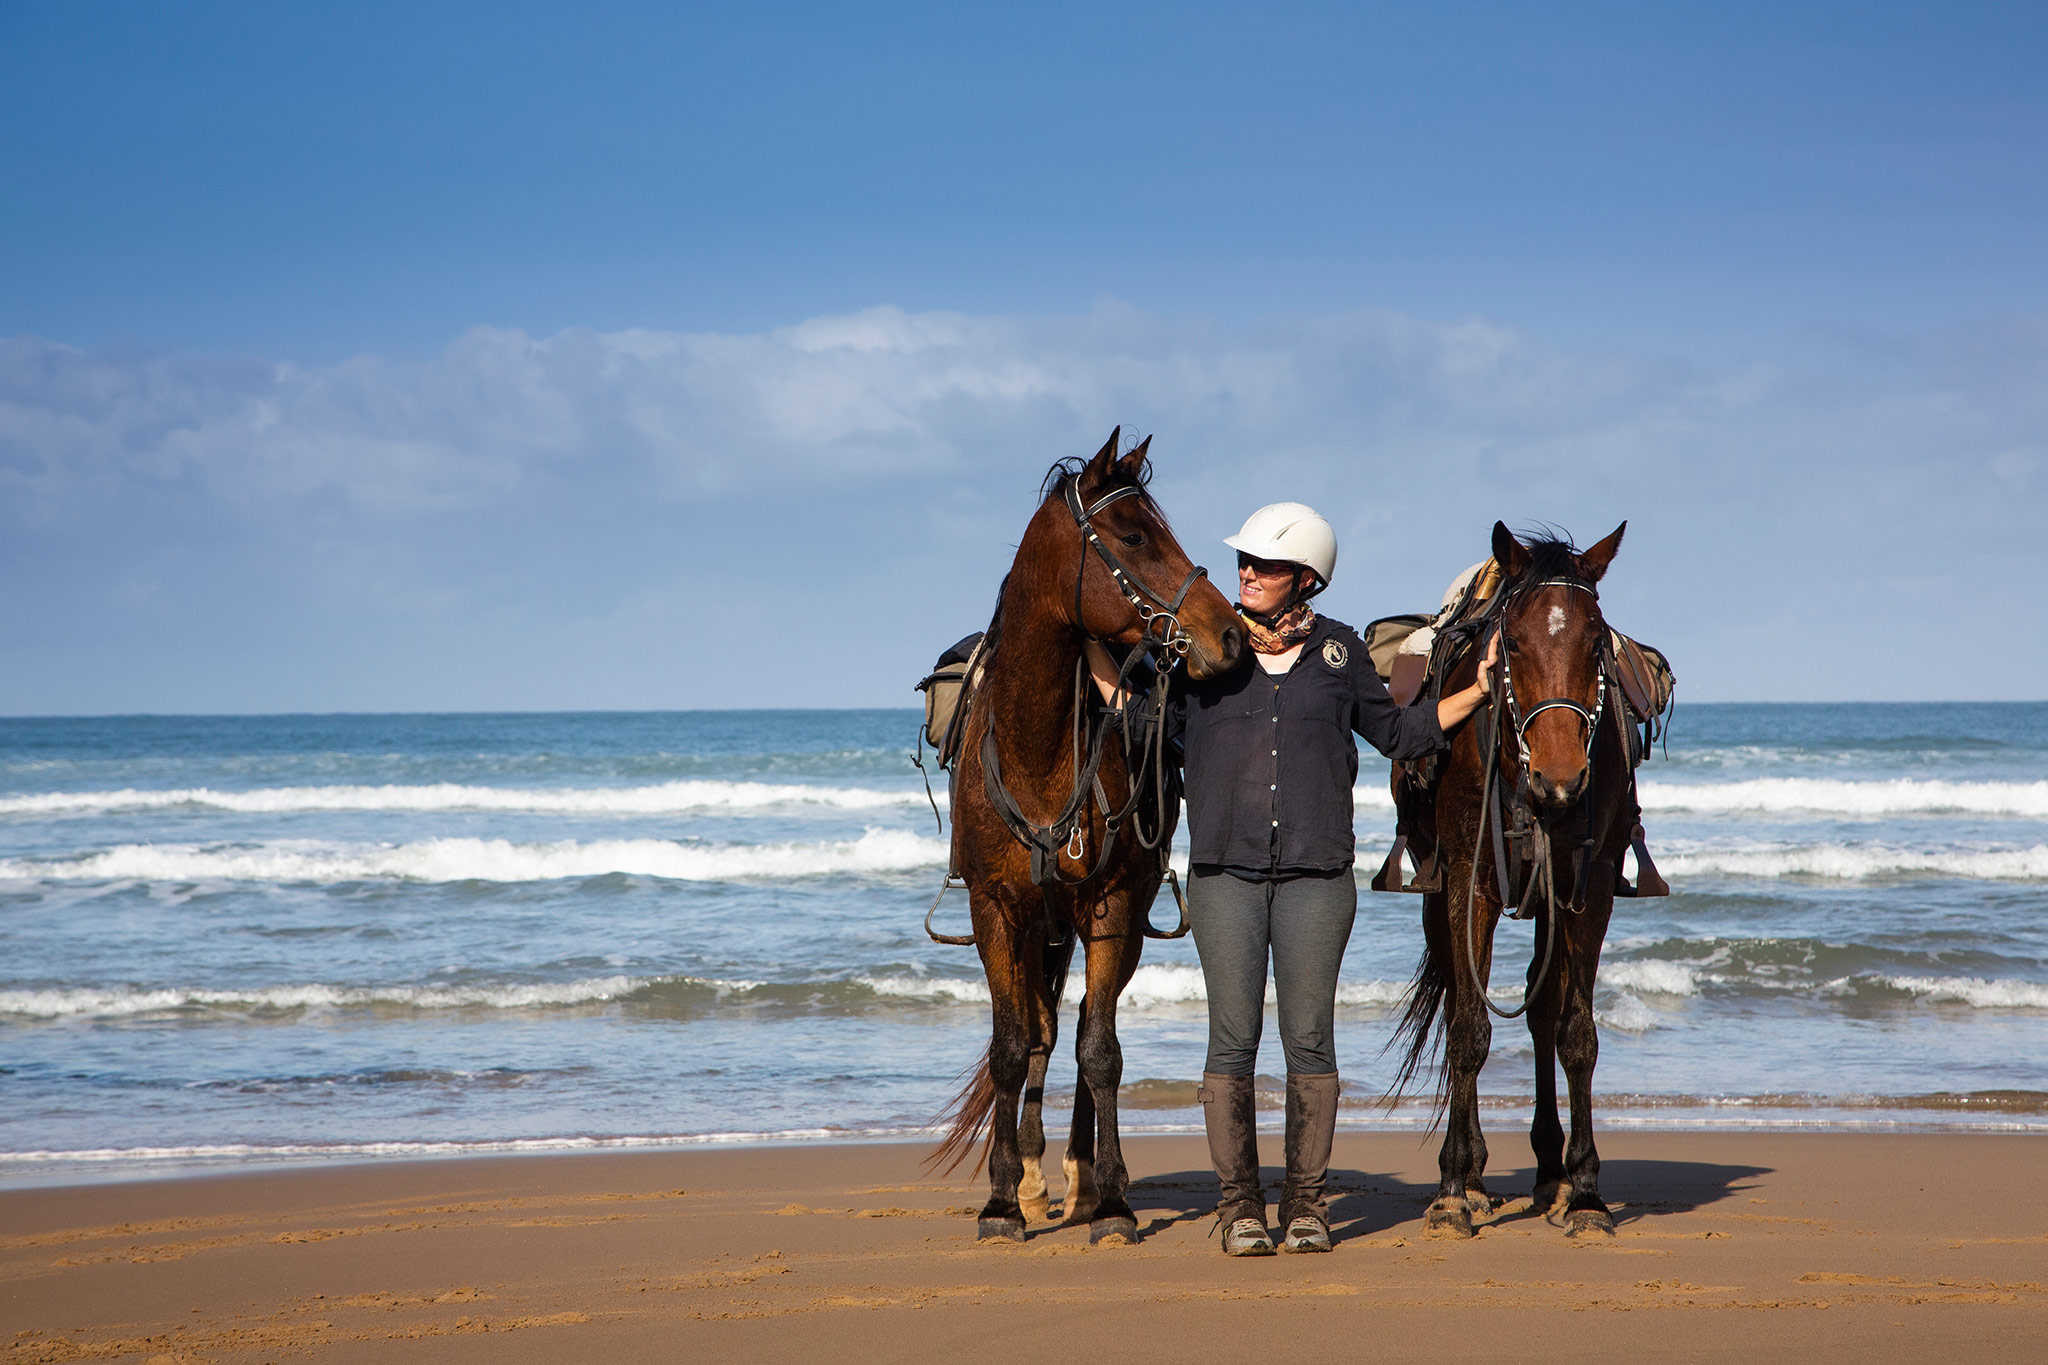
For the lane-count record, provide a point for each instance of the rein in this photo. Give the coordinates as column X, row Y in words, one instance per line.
column 1140, row 719
column 1534, row 835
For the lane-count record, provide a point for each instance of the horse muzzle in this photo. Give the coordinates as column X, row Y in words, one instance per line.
column 1203, row 663
column 1555, row 795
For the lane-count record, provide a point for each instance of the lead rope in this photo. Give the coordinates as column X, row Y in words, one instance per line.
column 1540, row 840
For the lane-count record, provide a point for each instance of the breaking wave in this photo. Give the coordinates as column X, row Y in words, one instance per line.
column 660, row 799
column 116, row 1002
column 1974, row 991
column 1899, row 796
column 488, row 860
column 1854, row 862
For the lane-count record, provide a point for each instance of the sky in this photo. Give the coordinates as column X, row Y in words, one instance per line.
column 467, row 357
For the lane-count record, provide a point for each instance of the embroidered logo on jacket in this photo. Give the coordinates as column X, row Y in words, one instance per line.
column 1334, row 653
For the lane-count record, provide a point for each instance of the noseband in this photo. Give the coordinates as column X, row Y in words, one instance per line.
column 1520, row 718
column 1163, row 630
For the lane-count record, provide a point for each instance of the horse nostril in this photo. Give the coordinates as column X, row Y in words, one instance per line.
column 1233, row 643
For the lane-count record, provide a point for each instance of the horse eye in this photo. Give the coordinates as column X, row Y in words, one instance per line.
column 1135, row 539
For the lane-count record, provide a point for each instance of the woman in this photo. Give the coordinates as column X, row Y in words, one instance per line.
column 1270, row 763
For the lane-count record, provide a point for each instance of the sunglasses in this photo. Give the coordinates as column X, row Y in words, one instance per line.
column 1265, row 568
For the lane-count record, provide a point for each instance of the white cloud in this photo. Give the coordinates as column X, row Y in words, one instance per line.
column 1778, row 511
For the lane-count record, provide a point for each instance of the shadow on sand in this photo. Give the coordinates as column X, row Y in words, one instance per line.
column 1362, row 1204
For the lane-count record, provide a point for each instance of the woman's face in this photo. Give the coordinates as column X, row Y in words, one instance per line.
column 1265, row 586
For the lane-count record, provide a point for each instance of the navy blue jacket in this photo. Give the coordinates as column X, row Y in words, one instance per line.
column 1270, row 760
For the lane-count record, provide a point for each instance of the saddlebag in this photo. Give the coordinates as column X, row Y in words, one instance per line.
column 948, row 690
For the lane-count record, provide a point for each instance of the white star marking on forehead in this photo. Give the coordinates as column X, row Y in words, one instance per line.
column 1557, row 620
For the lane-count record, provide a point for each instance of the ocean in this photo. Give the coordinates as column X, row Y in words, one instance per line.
column 237, row 940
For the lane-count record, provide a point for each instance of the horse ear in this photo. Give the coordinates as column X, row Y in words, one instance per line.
column 1130, row 464
column 1509, row 553
column 1593, row 563
column 1098, row 467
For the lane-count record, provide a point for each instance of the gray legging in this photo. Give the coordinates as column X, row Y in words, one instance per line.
column 1304, row 922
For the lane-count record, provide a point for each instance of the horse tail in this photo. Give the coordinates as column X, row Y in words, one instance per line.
column 966, row 1119
column 966, row 1116
column 1423, row 1022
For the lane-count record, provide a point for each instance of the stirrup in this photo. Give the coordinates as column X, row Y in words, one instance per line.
column 1307, row 1233
column 1247, row 1237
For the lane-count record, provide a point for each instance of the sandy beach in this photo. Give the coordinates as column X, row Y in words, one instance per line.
column 1828, row 1245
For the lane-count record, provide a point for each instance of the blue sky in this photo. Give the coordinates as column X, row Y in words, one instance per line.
column 440, row 356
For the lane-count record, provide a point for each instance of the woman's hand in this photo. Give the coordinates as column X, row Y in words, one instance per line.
column 1452, row 710
column 1486, row 664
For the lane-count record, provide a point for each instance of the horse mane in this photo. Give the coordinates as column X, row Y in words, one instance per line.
column 1119, row 477
column 993, row 636
column 1551, row 555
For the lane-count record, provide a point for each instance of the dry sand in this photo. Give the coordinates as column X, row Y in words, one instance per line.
column 1812, row 1246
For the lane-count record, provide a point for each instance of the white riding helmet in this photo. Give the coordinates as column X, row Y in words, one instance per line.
column 1292, row 534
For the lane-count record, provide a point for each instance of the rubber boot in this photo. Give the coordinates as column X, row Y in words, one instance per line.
column 1311, row 1127
column 1228, row 1113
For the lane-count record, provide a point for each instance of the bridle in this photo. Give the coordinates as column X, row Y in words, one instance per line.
column 1163, row 630
column 1521, row 719
column 1532, row 834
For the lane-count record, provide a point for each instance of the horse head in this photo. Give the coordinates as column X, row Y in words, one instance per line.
column 1132, row 583
column 1554, row 644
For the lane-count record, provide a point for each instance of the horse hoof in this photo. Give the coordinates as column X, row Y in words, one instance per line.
column 1038, row 1210
column 1000, row 1230
column 1480, row 1204
column 1113, row 1232
column 1550, row 1198
column 1595, row 1223
column 1448, row 1219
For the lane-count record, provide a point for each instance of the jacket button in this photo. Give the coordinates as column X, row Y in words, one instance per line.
column 1276, row 824
column 1275, row 787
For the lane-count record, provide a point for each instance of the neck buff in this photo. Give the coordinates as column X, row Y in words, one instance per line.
column 1278, row 634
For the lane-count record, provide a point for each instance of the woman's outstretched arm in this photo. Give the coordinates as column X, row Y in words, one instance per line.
column 1453, row 710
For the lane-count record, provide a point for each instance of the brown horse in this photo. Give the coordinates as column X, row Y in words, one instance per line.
column 1533, row 807
column 1051, row 853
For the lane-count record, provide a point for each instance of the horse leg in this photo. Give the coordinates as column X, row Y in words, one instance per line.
column 1032, row 1196
column 1111, row 960
column 1546, row 1134
column 1578, row 1047
column 1009, row 1058
column 1031, row 1192
column 1468, row 1036
column 1082, row 1197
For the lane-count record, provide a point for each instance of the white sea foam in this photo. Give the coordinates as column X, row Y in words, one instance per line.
column 1164, row 983
column 1628, row 1014
column 290, row 1151
column 946, row 988
column 490, row 860
column 660, row 799
column 115, row 1002
column 1850, row 862
column 1897, row 796
column 1651, row 977
column 1994, row 994
column 1155, row 985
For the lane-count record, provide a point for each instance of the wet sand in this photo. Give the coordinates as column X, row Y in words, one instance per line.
column 1815, row 1246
